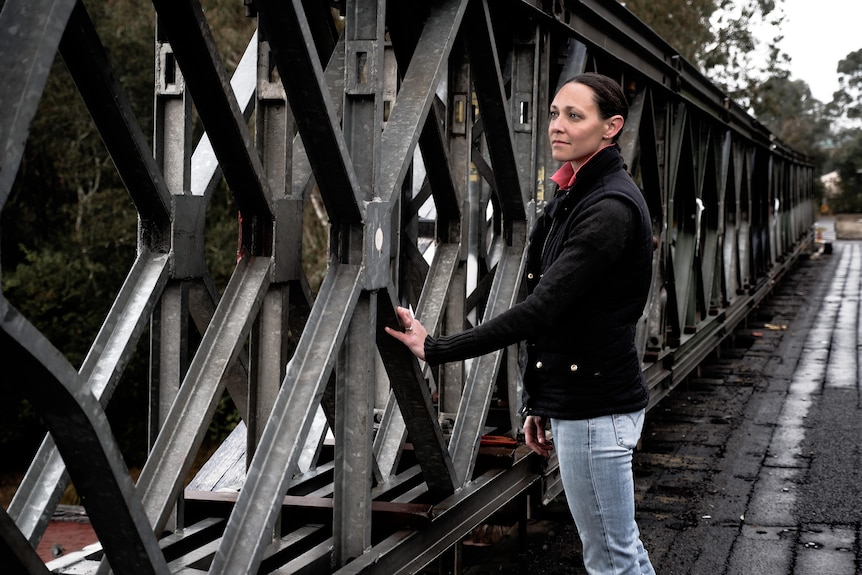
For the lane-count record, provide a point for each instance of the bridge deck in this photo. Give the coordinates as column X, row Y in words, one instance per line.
column 364, row 115
column 749, row 466
column 752, row 465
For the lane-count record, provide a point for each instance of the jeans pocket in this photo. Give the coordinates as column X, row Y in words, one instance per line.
column 627, row 427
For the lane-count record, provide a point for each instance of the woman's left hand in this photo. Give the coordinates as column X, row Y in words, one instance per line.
column 534, row 435
column 414, row 333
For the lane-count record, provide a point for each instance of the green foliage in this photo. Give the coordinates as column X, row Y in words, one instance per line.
column 847, row 161
column 846, row 111
column 69, row 228
column 731, row 61
column 718, row 37
column 788, row 110
column 848, row 99
column 684, row 25
column 51, row 290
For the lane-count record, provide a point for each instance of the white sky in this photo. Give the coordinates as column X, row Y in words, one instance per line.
column 817, row 35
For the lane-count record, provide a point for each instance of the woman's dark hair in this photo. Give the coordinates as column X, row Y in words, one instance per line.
column 608, row 95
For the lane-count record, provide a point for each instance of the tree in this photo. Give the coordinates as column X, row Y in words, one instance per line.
column 848, row 164
column 788, row 110
column 732, row 60
column 847, row 101
column 684, row 24
column 718, row 36
column 846, row 110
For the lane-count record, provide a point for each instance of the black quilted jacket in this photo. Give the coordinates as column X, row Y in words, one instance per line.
column 588, row 275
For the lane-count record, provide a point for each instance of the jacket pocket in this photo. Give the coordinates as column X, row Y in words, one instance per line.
column 562, row 366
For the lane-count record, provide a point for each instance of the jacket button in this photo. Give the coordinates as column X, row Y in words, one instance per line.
column 573, row 367
column 539, row 365
column 530, row 276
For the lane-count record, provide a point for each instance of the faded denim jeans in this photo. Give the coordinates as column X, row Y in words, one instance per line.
column 595, row 458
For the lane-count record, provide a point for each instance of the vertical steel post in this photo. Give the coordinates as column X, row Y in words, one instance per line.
column 355, row 374
column 170, row 321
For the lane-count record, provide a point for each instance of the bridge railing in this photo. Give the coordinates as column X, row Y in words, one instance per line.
column 422, row 127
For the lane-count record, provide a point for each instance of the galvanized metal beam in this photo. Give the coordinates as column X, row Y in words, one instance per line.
column 411, row 551
column 281, row 444
column 172, row 454
column 186, row 28
column 31, row 30
column 90, row 68
column 206, row 171
column 293, row 50
column 414, row 401
column 78, row 424
column 473, row 409
column 169, row 336
column 416, row 94
column 460, row 121
column 494, row 112
column 40, row 491
column 353, row 429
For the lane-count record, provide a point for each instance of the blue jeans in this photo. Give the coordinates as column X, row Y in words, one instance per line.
column 595, row 458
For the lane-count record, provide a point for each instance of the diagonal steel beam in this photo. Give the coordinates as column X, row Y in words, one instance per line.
column 410, row 112
column 303, row 171
column 432, row 142
column 292, row 47
column 88, row 63
column 393, row 427
column 16, row 553
column 79, row 426
column 414, row 401
column 494, row 111
column 389, row 440
column 203, row 70
column 30, row 31
column 405, row 23
column 46, row 479
column 186, row 423
column 249, row 528
column 473, row 409
column 206, row 171
column 435, row 291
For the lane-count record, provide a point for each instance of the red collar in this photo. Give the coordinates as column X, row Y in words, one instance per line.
column 567, row 174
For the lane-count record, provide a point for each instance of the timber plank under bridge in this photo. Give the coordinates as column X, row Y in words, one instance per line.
column 421, row 127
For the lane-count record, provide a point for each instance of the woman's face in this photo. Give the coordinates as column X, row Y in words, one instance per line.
column 576, row 129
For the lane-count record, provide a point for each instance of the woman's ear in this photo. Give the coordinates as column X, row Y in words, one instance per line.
column 614, row 125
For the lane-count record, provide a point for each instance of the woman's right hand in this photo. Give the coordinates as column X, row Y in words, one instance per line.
column 414, row 333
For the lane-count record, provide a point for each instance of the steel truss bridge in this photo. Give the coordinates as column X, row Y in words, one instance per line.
column 422, row 126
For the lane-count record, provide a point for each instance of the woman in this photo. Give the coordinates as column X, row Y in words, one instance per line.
column 589, row 265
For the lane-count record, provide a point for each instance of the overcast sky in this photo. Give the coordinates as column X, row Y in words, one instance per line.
column 817, row 35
